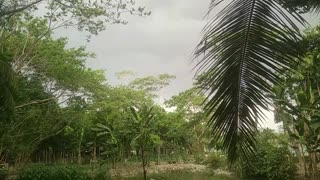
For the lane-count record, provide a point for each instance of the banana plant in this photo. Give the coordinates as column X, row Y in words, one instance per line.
column 142, row 123
column 111, row 141
column 297, row 105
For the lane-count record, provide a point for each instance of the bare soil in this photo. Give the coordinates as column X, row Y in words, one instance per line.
column 130, row 170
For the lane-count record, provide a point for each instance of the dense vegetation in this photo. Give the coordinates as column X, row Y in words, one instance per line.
column 55, row 110
column 60, row 119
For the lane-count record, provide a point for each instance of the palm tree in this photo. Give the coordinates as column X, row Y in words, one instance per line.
column 243, row 50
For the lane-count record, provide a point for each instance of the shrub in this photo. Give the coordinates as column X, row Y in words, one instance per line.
column 53, row 173
column 215, row 161
column 102, row 175
column 3, row 173
column 198, row 158
column 184, row 157
column 273, row 159
column 100, row 172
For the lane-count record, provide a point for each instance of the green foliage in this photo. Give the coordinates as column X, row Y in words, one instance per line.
column 142, row 121
column 98, row 171
column 216, row 160
column 273, row 159
column 3, row 173
column 64, row 112
column 189, row 116
column 54, row 173
column 302, row 6
column 101, row 174
column 199, row 158
column 91, row 16
column 188, row 102
column 6, row 87
column 152, row 84
column 297, row 103
column 47, row 74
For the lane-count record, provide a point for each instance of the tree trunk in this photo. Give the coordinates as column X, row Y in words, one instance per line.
column 159, row 154
column 144, row 163
column 301, row 159
column 46, row 156
column 79, row 146
column 79, row 154
column 313, row 166
column 94, row 158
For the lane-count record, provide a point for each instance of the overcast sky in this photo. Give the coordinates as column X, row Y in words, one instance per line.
column 160, row 43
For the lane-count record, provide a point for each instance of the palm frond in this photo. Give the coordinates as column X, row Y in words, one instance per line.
column 244, row 47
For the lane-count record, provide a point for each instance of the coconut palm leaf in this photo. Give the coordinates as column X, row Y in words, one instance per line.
column 244, row 48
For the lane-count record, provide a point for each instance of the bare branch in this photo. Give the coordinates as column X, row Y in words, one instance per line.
column 35, row 102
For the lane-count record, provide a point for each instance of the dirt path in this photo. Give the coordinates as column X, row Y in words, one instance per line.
column 135, row 169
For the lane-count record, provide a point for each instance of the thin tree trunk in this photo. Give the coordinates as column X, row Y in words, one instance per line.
column 79, row 155
column 94, row 158
column 159, row 154
column 144, row 163
column 79, row 146
column 46, row 157
column 313, row 166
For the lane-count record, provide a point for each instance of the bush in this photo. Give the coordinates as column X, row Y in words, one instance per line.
column 54, row 173
column 198, row 158
column 3, row 173
column 215, row 161
column 102, row 175
column 100, row 172
column 273, row 159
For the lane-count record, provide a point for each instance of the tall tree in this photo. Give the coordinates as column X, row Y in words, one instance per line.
column 189, row 105
column 152, row 84
column 19, row 15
